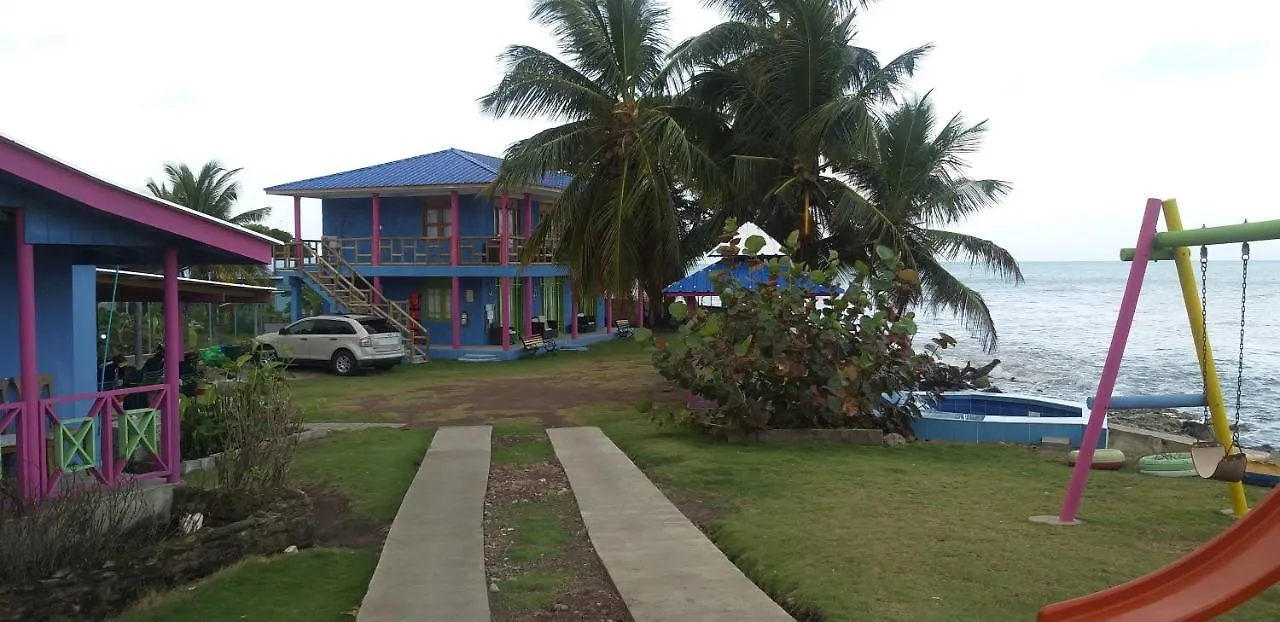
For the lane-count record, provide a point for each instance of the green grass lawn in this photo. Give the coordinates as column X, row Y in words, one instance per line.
column 373, row 469
column 927, row 532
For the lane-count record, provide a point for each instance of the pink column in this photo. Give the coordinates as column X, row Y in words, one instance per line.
column 454, row 240
column 504, row 232
column 297, row 233
column 528, row 305
column 457, row 313
column 376, row 232
column 505, row 293
column 608, row 314
column 30, row 425
column 573, row 316
column 1111, row 367
column 172, row 356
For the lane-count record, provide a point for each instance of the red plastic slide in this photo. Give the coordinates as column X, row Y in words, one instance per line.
column 1226, row 572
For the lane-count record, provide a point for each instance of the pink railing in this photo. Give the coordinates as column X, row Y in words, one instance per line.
column 107, row 436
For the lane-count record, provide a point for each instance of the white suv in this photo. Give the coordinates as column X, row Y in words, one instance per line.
column 344, row 343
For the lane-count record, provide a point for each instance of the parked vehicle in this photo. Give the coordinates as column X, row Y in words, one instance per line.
column 343, row 343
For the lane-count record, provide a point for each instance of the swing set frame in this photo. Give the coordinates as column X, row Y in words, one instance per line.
column 1172, row 244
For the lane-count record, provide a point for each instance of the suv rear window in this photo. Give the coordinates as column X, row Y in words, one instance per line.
column 377, row 325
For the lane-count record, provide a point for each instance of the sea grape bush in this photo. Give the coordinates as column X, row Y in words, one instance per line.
column 772, row 357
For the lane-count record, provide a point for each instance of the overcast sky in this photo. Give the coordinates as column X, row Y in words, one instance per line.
column 1093, row 106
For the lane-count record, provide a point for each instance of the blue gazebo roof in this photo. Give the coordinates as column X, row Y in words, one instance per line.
column 451, row 167
column 699, row 283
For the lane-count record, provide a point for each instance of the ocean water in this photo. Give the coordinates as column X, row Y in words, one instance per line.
column 1055, row 328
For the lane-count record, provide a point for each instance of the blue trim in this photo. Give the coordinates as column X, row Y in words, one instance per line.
column 295, row 302
column 535, row 270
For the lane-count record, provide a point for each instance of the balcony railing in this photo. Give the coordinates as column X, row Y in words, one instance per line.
column 413, row 251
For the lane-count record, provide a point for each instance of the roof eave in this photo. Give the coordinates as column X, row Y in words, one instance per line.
column 390, row 191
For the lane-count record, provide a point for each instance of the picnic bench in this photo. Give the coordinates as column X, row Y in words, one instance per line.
column 536, row 343
column 624, row 329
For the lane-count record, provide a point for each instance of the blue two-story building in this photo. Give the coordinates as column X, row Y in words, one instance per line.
column 415, row 241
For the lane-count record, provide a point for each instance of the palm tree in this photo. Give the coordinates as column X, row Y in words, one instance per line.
column 628, row 146
column 914, row 184
column 800, row 96
column 213, row 191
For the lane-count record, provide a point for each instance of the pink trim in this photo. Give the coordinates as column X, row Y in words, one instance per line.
column 504, row 226
column 528, row 305
column 1111, row 367
column 297, row 233
column 30, row 447
column 105, row 410
column 573, row 315
column 457, row 313
column 172, row 356
column 505, row 286
column 454, row 246
column 108, row 198
column 377, row 290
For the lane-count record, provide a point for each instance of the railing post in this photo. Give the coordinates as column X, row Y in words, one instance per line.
column 31, row 419
column 297, row 233
column 504, row 235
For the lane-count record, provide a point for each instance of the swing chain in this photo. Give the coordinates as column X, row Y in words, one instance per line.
column 1244, row 297
column 1204, row 322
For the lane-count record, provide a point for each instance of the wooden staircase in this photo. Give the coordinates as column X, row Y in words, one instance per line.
column 344, row 285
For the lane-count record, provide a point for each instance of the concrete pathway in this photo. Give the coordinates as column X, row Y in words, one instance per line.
column 432, row 565
column 664, row 568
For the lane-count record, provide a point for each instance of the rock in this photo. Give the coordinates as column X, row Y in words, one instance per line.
column 894, row 439
column 291, row 549
column 560, row 607
column 493, row 587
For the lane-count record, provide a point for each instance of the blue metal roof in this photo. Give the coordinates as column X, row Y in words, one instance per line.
column 442, row 168
column 699, row 283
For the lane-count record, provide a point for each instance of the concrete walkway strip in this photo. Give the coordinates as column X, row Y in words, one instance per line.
column 432, row 564
column 664, row 568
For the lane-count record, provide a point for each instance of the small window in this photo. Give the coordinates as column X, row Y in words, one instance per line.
column 376, row 326
column 436, row 219
column 437, row 300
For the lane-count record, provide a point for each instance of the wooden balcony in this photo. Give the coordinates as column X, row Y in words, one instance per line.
column 413, row 251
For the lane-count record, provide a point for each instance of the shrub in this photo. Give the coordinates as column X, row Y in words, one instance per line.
column 84, row 527
column 204, row 429
column 258, row 412
column 772, row 357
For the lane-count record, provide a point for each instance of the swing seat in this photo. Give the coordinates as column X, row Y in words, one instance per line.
column 1212, row 461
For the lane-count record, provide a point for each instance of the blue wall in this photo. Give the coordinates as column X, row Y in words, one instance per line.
column 66, row 318
column 402, row 216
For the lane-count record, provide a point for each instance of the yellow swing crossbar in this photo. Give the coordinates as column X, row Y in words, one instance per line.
column 1204, row 352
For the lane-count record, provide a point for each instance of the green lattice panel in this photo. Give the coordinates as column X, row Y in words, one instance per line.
column 139, row 427
column 74, row 442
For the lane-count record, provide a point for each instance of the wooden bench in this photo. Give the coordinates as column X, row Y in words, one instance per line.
column 537, row 343
column 624, row 329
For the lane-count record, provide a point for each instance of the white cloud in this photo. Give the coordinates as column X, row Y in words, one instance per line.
column 1093, row 106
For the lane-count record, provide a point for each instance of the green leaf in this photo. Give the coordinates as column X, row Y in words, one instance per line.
column 743, row 347
column 819, row 277
column 753, row 244
column 885, row 253
column 793, row 239
column 678, row 310
column 642, row 335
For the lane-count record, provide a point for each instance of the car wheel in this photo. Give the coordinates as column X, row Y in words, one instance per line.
column 267, row 354
column 343, row 363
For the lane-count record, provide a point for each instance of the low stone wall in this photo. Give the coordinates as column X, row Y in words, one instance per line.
column 99, row 593
column 823, row 437
column 1136, row 442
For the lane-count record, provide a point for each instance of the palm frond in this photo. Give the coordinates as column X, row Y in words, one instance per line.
column 950, row 245
column 944, row 292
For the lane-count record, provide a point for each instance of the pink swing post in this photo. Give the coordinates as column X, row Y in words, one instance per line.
column 1111, row 368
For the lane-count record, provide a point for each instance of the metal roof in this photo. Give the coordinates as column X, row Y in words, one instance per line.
column 82, row 172
column 699, row 283
column 442, row 168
